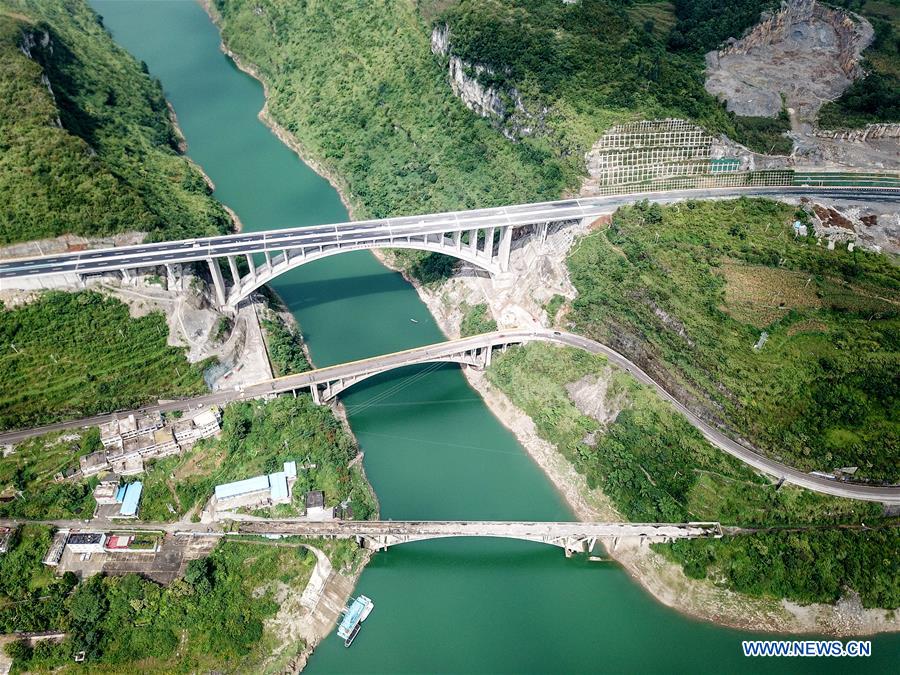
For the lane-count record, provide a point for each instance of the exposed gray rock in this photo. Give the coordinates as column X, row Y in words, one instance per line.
column 807, row 52
column 503, row 106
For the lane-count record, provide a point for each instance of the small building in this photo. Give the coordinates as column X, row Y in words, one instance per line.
column 118, row 542
column 57, row 546
column 202, row 425
column 93, row 463
column 129, row 496
column 268, row 490
column 86, row 542
column 105, row 492
column 315, row 506
column 115, row 432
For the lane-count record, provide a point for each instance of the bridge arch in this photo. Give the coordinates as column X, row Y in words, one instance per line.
column 282, row 263
column 478, row 357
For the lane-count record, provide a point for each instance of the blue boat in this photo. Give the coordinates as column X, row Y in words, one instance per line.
column 353, row 617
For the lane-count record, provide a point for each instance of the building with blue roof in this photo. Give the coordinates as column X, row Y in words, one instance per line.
column 258, row 491
column 129, row 496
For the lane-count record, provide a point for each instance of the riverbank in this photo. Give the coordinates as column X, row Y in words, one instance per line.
column 663, row 579
column 280, row 132
column 729, row 609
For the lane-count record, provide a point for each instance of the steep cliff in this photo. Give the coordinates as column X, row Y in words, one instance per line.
column 502, row 105
column 87, row 144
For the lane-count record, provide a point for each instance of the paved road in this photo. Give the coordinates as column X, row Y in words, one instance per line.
column 273, row 241
column 443, row 350
column 420, row 529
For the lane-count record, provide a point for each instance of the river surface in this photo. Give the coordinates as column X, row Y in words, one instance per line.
column 432, row 448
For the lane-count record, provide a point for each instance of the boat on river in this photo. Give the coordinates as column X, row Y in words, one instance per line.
column 354, row 616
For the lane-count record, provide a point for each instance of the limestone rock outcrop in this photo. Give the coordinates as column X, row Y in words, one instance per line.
column 502, row 105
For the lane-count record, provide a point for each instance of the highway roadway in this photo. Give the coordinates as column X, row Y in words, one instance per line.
column 443, row 350
column 97, row 261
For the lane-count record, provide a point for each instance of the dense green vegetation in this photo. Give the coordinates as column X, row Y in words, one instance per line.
column 810, row 566
column 359, row 88
column 71, row 355
column 285, row 347
column 686, row 292
column 212, row 619
column 30, row 473
column 657, row 468
column 32, row 598
column 476, row 319
column 702, row 25
column 876, row 97
column 258, row 437
column 97, row 154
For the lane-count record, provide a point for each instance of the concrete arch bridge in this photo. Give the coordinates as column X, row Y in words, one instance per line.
column 572, row 537
column 481, row 237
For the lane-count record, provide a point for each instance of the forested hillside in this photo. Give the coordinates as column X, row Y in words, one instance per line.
column 688, row 290
column 86, row 144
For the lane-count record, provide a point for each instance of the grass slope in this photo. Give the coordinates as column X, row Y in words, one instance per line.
column 69, row 355
column 657, row 468
column 87, row 145
column 686, row 291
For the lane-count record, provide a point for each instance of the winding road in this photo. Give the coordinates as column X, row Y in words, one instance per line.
column 447, row 351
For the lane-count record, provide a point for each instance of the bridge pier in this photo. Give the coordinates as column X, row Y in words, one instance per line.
column 473, row 241
column 218, row 281
column 126, row 275
column 235, row 275
column 170, row 277
column 251, row 265
column 506, row 234
column 489, row 242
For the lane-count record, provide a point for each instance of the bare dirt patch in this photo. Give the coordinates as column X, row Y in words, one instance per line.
column 760, row 295
column 806, row 52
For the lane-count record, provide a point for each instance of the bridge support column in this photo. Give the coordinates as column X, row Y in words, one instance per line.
column 170, row 277
column 505, row 246
column 473, row 241
column 251, row 264
column 268, row 259
column 487, row 356
column 232, row 265
column 489, row 242
column 126, row 275
column 457, row 239
column 216, row 274
column 316, row 396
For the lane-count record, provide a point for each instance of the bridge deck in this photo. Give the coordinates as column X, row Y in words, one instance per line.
column 97, row 261
column 478, row 528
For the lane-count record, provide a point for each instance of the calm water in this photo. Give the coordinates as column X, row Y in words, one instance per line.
column 432, row 448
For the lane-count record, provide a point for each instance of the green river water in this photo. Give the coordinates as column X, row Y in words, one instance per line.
column 432, row 449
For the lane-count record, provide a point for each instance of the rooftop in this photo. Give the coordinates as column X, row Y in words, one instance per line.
column 242, row 487
column 85, row 538
column 131, row 499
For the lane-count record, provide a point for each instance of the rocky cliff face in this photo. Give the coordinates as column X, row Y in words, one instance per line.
column 806, row 52
column 503, row 106
column 32, row 41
